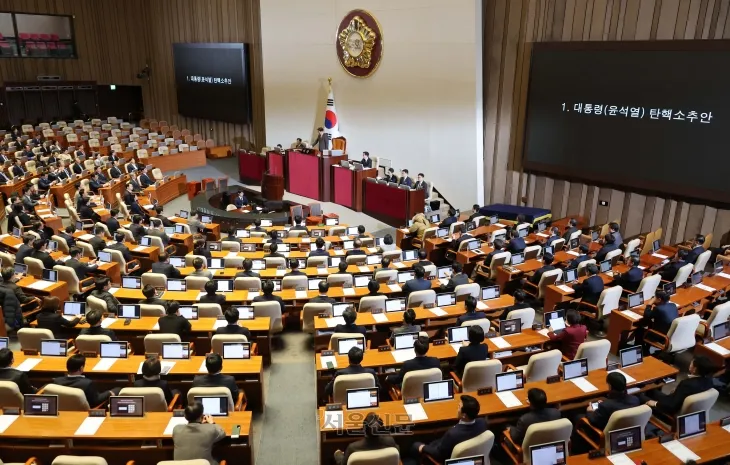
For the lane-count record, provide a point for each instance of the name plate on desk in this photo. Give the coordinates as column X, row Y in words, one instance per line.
column 327, row 353
column 484, row 391
column 97, row 412
column 384, row 349
column 553, row 379
column 178, row 413
column 333, row 407
column 439, row 342
column 411, row 400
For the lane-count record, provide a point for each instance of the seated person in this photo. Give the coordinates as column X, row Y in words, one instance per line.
column 214, row 378
column 408, row 326
column 40, row 252
column 320, row 250
column 232, row 236
column 75, row 378
column 267, row 287
column 450, row 219
column 94, row 317
column 516, row 243
column 570, row 229
column 554, row 236
column 670, row 270
column 199, row 248
column 98, row 242
column 609, row 246
column 274, row 237
column 273, row 252
column 460, row 235
column 342, row 268
column 419, row 283
column 376, row 437
column 80, row 268
column 631, row 279
column 294, row 267
column 101, row 291
column 50, row 318
column 498, row 248
column 350, row 316
column 572, row 336
column 585, row 254
column 68, row 235
column 474, row 351
column 119, row 245
column 613, row 228
column 696, row 250
column 20, row 378
column 200, row 269
column 173, row 322
column 356, row 249
column 322, row 298
column 469, row 426
column 247, row 273
column 387, row 244
column 163, row 266
column 470, row 304
column 616, row 399
column 354, row 356
column 151, row 369
column 659, row 317
column 373, row 288
column 539, row 412
column 590, row 289
column 547, row 260
column 210, row 296
column 158, row 230
column 150, row 297
column 422, row 255
column 361, row 232
column 298, row 226
column 457, row 277
column 231, row 316
column 420, row 362
column 240, row 200
column 699, row 380
column 520, row 302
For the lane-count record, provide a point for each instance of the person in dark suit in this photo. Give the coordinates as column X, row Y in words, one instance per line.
column 457, row 277
column 158, row 230
column 163, row 267
column 20, row 378
column 572, row 336
column 616, row 399
column 267, row 287
column 608, row 246
column 590, row 289
column 659, row 317
column 294, row 268
column 697, row 249
column 231, row 316
column 570, row 229
column 298, row 226
column 14, row 300
column 366, row 162
column 40, row 252
column 498, row 248
column 148, row 291
column 516, row 243
column 631, row 279
column 449, row 220
column 470, row 304
column 670, row 270
column 405, row 179
column 419, row 283
column 390, row 176
column 144, row 179
column 469, row 426
column 240, row 201
column 322, row 142
column 18, row 169
column 474, row 351
column 460, row 235
column 214, row 378
column 554, row 236
column 584, row 251
column 322, row 298
column 98, row 242
column 375, row 438
column 173, row 322
column 350, row 316
column 93, row 317
column 539, row 412
column 75, row 378
column 474, row 212
column 421, row 184
column 119, row 245
column 699, row 380
column 613, row 228
column 20, row 214
column 68, row 235
column 98, row 180
column 356, row 249
column 101, row 291
column 273, row 251
column 320, row 250
column 4, row 179
column 86, row 212
column 50, row 318
column 112, row 224
column 137, row 228
column 247, row 273
column 114, row 157
column 25, row 249
column 80, row 268
column 114, row 171
column 130, row 200
column 165, row 220
column 422, row 261
column 151, row 369
column 199, row 248
column 520, row 302
column 409, row 325
column 210, row 296
column 354, row 356
column 547, row 265
column 77, row 167
column 420, row 362
column 45, row 182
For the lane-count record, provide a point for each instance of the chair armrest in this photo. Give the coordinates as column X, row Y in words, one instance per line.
column 192, row 348
column 509, row 367
column 102, row 405
column 585, row 430
column 660, row 424
column 660, row 336
column 565, row 359
column 136, row 266
column 88, row 281
column 34, row 461
column 173, row 402
column 255, row 348
column 170, row 249
column 395, row 393
column 513, row 450
column 35, row 299
column 706, row 330
column 456, row 379
column 241, row 402
column 427, row 459
column 529, row 284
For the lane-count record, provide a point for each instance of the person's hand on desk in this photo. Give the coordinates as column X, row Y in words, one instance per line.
column 651, row 403
column 208, row 419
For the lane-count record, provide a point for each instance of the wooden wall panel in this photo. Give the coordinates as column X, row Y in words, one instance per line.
column 510, row 26
column 115, row 40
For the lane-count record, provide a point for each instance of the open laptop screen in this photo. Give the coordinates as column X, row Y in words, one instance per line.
column 625, row 440
column 344, row 345
column 438, row 390
column 575, row 368
column 405, row 340
column 691, row 424
column 126, row 406
column 216, row 406
column 40, row 405
column 636, row 299
column 630, row 356
column 362, row 398
column 548, row 454
column 510, row 381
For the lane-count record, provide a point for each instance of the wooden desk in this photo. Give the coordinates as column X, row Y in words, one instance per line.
column 110, row 193
column 118, row 440
column 16, row 185
column 311, row 272
column 70, row 187
column 168, row 190
column 212, row 230
column 179, row 161
column 505, row 277
column 146, row 255
column 554, row 295
column 58, row 289
column 249, row 374
column 443, row 414
column 292, row 254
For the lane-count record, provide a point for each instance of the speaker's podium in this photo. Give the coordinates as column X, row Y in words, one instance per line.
column 347, row 184
column 309, row 173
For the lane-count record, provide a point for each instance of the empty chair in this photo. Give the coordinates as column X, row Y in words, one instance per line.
column 275, row 262
column 526, row 316
column 216, row 342
column 273, row 311
column 344, row 382
column 384, row 456
column 385, row 276
column 294, row 282
column 538, row 433
column 153, row 342
column 684, row 273
column 90, row 343
column 607, row 302
column 596, row 352
column 421, row 298
column 69, row 398
column 310, row 312
column 79, row 460
column 154, row 279
column 718, row 315
column 478, row 375
column 315, row 261
column 340, row 280
column 541, row 366
column 370, row 303
column 464, row 290
column 10, row 395
column 30, row 338
column 247, row 284
column 702, row 260
column 631, row 247
column 548, row 278
column 154, row 398
column 196, row 283
column 209, row 310
column 620, row 419
column 151, row 310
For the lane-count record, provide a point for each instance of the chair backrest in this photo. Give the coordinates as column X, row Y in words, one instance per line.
column 69, row 276
column 582, row 271
column 274, row 262
column 699, row 402
column 310, row 312
column 454, row 225
column 151, row 310
column 216, row 342
column 247, row 283
column 498, row 260
column 702, row 260
column 631, row 246
column 345, row 382
column 209, row 310
column 626, row 418
column 544, row 433
column 339, row 279
column 532, row 251
column 481, row 374
column 79, row 460
column 212, row 391
column 614, row 253
column 648, row 286
column 413, row 381
column 548, row 278
column 335, row 337
column 10, row 395
column 498, row 232
column 154, row 279
column 596, row 352
column 421, row 298
column 385, row 456
column 719, row 314
column 69, row 398
column 273, row 311
column 315, row 261
column 95, row 303
column 526, row 316
column 681, row 334
column 90, row 343
column 464, row 290
column 153, row 342
column 154, row 398
column 385, row 275
column 476, row 446
column 196, row 283
column 485, row 323
column 293, row 282
column 684, row 273
column 35, row 266
column 609, row 300
column 368, row 303
column 355, row 260
column 543, row 365
column 558, row 244
column 30, row 338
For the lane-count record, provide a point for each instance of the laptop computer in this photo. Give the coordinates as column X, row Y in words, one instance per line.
column 245, row 312
column 438, row 390
column 74, row 309
column 362, row 280
column 458, row 334
column 175, row 350
column 575, row 368
column 20, row 269
column 510, row 381
column 622, row 441
column 721, row 330
column 435, row 218
column 352, row 231
column 404, row 340
column 571, row 275
column 696, row 278
column 630, row 356
column 670, row 288
column 517, row 259
column 636, row 299
column 54, row 347
column 126, row 406
column 507, row 327
column 104, row 257
column 42, row 405
column 113, row 349
column 215, row 406
column 130, row 311
column 224, row 285
column 523, row 232
column 237, row 350
column 313, row 283
column 362, row 398
column 188, row 311
column 145, row 241
column 552, row 453
column 445, row 299
column 131, row 282
column 243, row 233
column 4, row 342
column 49, row 275
column 605, row 266
column 339, row 308
column 473, row 460
column 490, row 292
column 409, row 255
column 691, row 424
column 442, row 232
column 216, row 263
column 405, row 276
column 179, row 285
column 555, row 320
column 177, row 262
column 442, row 270
column 373, row 259
column 179, row 229
column 395, row 305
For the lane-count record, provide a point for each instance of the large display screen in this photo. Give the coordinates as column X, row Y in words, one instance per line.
column 212, row 81
column 652, row 116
